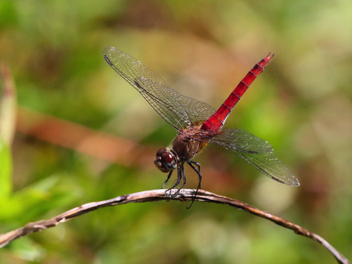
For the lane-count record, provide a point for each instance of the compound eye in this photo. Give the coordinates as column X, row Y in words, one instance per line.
column 165, row 160
column 167, row 157
column 160, row 152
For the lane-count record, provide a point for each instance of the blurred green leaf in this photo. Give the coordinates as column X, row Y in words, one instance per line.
column 5, row 171
column 8, row 16
column 28, row 250
column 41, row 197
column 7, row 106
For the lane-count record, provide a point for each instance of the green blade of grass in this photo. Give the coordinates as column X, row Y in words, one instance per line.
column 7, row 128
column 5, row 171
column 7, row 106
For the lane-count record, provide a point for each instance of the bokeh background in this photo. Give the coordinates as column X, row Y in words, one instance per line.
column 83, row 134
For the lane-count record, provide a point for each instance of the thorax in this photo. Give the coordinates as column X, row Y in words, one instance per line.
column 189, row 141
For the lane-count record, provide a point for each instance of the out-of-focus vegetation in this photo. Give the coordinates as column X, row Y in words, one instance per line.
column 301, row 104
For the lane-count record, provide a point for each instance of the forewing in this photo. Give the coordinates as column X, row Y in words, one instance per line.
column 178, row 110
column 257, row 152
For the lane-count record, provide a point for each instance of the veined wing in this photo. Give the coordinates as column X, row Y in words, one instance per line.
column 175, row 108
column 257, row 152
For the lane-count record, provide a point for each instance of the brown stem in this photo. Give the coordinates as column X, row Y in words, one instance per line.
column 158, row 195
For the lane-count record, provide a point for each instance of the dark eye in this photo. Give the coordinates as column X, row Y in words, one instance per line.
column 165, row 160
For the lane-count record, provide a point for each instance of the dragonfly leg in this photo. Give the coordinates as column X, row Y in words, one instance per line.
column 179, row 177
column 167, row 179
column 193, row 165
column 182, row 173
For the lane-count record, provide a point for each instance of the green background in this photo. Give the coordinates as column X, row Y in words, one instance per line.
column 301, row 104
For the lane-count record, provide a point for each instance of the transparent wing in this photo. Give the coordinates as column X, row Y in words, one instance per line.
column 178, row 110
column 257, row 152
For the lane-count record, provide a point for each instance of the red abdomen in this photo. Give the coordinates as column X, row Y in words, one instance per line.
column 217, row 120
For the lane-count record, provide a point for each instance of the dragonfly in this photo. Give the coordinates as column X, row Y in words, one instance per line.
column 197, row 123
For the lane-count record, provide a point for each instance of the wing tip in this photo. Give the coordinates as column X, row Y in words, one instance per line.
column 108, row 60
column 296, row 183
column 293, row 182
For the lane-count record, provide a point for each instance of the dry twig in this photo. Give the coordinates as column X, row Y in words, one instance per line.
column 158, row 195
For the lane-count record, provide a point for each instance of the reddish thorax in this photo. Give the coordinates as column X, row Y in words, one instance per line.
column 186, row 144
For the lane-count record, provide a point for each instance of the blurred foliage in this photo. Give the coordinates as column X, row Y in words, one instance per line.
column 301, row 104
column 5, row 173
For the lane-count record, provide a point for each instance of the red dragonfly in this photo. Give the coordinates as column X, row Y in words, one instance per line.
column 197, row 123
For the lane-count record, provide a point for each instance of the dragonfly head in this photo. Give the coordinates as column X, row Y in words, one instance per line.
column 165, row 160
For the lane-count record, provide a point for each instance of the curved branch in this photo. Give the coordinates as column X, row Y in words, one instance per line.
column 158, row 195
